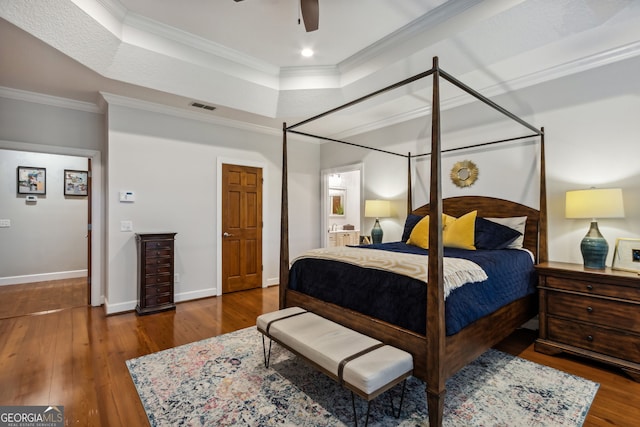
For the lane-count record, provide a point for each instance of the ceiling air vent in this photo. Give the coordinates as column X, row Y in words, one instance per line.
column 203, row 106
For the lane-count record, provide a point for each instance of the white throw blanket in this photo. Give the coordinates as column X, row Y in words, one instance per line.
column 457, row 271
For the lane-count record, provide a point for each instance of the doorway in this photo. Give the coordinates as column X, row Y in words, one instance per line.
column 342, row 201
column 46, row 250
column 94, row 264
column 242, row 223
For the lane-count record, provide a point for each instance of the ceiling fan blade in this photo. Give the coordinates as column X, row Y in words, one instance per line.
column 310, row 14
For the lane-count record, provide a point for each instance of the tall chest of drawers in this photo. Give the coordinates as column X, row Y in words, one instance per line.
column 590, row 313
column 155, row 272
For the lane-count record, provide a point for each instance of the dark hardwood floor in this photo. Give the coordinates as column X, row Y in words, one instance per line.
column 42, row 297
column 76, row 357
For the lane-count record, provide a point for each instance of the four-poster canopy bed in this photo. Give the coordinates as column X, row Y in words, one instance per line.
column 437, row 352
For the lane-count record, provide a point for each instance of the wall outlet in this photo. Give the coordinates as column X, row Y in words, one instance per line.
column 126, row 225
column 5, row 223
column 176, row 278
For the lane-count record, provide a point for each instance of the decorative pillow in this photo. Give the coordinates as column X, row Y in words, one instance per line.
column 491, row 235
column 460, row 233
column 457, row 232
column 420, row 234
column 409, row 223
column 517, row 223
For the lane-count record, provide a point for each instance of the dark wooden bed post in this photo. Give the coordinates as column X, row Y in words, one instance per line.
column 409, row 197
column 543, row 248
column 435, row 288
column 284, row 223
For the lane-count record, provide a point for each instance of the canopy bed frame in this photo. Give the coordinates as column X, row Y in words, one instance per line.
column 436, row 355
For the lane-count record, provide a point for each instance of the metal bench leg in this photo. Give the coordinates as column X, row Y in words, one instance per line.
column 267, row 357
column 355, row 414
column 404, row 386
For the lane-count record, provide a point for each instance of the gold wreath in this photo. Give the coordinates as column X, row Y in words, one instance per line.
column 464, row 173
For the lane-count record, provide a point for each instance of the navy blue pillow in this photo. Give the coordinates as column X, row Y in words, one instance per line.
column 491, row 235
column 410, row 222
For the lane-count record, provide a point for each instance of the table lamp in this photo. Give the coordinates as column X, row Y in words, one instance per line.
column 377, row 209
column 594, row 203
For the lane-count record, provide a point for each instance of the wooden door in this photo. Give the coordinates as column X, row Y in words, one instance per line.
column 241, row 228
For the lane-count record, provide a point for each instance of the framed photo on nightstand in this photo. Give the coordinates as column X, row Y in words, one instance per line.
column 626, row 257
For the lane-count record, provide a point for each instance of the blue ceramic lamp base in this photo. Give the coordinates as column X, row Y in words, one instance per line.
column 594, row 248
column 376, row 233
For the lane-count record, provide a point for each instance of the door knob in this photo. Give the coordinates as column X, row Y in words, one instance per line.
column 225, row 234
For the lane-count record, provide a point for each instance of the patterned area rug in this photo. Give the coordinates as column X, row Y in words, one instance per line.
column 223, row 381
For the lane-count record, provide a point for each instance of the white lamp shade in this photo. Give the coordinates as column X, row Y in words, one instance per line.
column 594, row 203
column 377, row 208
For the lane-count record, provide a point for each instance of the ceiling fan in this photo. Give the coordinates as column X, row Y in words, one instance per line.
column 310, row 13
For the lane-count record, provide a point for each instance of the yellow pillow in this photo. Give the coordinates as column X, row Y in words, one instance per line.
column 460, row 233
column 420, row 233
column 457, row 232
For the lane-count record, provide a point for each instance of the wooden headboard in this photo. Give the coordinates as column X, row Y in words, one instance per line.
column 493, row 208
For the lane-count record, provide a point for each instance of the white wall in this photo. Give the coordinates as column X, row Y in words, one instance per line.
column 46, row 239
column 171, row 165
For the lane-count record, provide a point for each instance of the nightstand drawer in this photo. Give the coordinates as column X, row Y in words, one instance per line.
column 601, row 340
column 616, row 314
column 594, row 288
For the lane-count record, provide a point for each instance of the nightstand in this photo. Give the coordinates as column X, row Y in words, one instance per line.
column 590, row 313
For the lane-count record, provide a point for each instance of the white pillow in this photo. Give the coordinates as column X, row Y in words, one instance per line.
column 517, row 223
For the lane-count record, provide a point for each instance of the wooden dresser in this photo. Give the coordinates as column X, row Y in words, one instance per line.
column 590, row 313
column 155, row 272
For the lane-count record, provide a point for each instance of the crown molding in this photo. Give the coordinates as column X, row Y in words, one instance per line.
column 164, row 31
column 405, row 34
column 53, row 101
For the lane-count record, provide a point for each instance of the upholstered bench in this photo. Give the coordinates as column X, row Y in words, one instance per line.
column 362, row 364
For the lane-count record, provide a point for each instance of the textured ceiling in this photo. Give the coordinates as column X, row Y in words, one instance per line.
column 243, row 56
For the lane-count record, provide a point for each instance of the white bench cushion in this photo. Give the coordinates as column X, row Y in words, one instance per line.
column 374, row 370
column 320, row 340
column 327, row 343
column 264, row 319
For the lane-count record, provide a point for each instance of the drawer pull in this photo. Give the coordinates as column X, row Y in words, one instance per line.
column 590, row 338
column 589, row 310
column 589, row 287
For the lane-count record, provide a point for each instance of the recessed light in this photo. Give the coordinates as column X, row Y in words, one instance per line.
column 307, row 53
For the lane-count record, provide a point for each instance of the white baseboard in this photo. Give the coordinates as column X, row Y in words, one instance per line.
column 181, row 297
column 272, row 281
column 119, row 307
column 43, row 277
column 187, row 296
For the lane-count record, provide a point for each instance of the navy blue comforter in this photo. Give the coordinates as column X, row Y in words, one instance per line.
column 401, row 300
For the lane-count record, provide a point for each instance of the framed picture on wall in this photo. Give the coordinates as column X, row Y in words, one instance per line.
column 32, row 180
column 337, row 198
column 627, row 255
column 76, row 183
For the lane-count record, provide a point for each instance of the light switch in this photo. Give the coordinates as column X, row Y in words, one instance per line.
column 4, row 223
column 126, row 225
